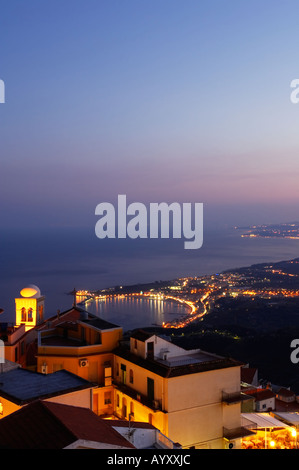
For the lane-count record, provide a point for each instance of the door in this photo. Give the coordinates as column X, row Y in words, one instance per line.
column 150, row 350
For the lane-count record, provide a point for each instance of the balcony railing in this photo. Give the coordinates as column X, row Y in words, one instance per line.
column 234, row 397
column 155, row 405
column 238, row 432
column 246, row 428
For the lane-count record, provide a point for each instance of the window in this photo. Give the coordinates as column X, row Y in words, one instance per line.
column 150, row 350
column 117, row 401
column 30, row 314
column 16, row 354
column 131, row 410
column 124, row 407
column 97, row 339
column 131, row 376
column 135, row 344
column 23, row 314
column 107, row 398
column 150, row 389
column 22, row 348
column 123, row 373
column 108, row 376
column 1, row 408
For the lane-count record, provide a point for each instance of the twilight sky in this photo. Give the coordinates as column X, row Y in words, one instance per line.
column 161, row 100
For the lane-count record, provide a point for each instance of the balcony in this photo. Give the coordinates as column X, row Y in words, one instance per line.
column 234, row 397
column 238, row 432
column 246, row 428
column 154, row 405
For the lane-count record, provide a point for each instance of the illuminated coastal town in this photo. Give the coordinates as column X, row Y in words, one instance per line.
column 132, row 389
column 200, row 294
column 287, row 231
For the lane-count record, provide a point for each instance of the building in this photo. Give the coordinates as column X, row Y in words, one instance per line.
column 264, row 399
column 30, row 307
column 20, row 387
column 15, row 342
column 286, row 395
column 81, row 343
column 165, row 385
column 143, row 435
column 48, row 425
column 249, row 375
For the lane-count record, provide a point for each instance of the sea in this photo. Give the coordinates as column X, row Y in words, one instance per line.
column 59, row 260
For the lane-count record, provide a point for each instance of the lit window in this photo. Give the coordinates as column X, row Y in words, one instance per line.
column 23, row 314
column 1, row 408
column 107, row 398
column 30, row 314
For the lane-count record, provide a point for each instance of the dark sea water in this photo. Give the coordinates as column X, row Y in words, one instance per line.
column 59, row 260
column 138, row 312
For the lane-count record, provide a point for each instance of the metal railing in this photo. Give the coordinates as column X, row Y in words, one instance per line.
column 155, row 405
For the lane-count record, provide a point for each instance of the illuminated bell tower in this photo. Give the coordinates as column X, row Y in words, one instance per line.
column 30, row 307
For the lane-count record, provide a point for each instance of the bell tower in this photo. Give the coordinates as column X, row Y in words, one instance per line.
column 30, row 307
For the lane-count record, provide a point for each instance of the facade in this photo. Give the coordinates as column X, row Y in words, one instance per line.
column 15, row 342
column 160, row 383
column 82, row 344
column 264, row 399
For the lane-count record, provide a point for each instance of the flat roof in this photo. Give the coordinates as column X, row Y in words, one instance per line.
column 22, row 386
column 182, row 365
column 290, row 417
column 264, row 420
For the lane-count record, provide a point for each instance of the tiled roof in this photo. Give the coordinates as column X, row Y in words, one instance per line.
column 261, row 394
column 100, row 323
column 46, row 425
column 142, row 335
column 22, row 386
column 247, row 374
column 75, row 314
column 115, row 423
column 285, row 392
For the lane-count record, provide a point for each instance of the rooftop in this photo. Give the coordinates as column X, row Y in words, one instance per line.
column 23, row 386
column 141, row 335
column 74, row 315
column 46, row 425
column 261, row 394
column 199, row 361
